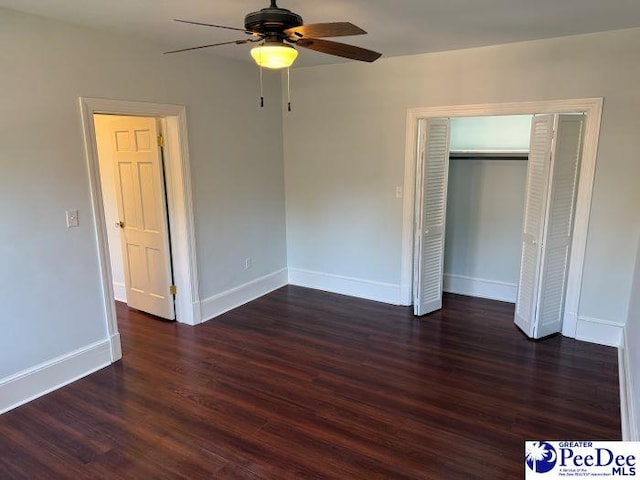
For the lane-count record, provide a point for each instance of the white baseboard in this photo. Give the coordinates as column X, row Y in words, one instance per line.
column 355, row 287
column 30, row 384
column 233, row 298
column 116, row 348
column 628, row 412
column 120, row 292
column 480, row 287
column 602, row 332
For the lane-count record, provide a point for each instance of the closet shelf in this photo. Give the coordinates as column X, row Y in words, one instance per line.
column 489, row 155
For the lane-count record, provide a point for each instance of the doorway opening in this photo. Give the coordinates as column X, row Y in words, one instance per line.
column 591, row 112
column 172, row 119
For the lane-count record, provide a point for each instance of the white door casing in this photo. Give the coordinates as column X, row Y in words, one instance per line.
column 548, row 222
column 431, row 210
column 142, row 209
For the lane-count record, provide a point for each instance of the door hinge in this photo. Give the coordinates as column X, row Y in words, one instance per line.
column 173, row 290
column 160, row 140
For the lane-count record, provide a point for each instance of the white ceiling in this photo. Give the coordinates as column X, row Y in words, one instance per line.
column 399, row 27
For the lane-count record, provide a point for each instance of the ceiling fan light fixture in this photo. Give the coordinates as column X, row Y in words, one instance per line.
column 274, row 55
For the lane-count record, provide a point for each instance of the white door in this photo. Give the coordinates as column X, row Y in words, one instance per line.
column 431, row 211
column 533, row 222
column 556, row 148
column 143, row 217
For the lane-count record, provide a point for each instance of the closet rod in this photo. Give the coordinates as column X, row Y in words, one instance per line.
column 471, row 155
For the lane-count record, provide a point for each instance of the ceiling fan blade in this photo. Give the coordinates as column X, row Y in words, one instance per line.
column 212, row 25
column 237, row 42
column 321, row 30
column 339, row 49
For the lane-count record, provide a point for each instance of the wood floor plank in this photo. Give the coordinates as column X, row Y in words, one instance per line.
column 312, row 385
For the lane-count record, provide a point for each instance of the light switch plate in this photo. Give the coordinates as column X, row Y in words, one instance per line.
column 72, row 218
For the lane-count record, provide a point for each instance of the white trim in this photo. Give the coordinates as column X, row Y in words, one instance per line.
column 582, row 214
column 235, row 297
column 624, row 402
column 120, row 292
column 602, row 332
column 591, row 106
column 30, row 384
column 355, row 287
column 480, row 287
column 116, row 346
column 179, row 198
column 628, row 418
column 180, row 204
column 406, row 295
column 569, row 323
column 411, row 156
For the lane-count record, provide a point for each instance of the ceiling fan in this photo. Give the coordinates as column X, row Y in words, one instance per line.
column 277, row 30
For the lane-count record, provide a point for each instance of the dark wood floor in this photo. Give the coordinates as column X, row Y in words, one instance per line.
column 307, row 384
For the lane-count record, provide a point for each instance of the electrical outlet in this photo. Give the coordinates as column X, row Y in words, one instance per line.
column 247, row 263
column 399, row 192
column 72, row 218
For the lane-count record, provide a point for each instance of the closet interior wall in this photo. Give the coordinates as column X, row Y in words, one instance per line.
column 485, row 202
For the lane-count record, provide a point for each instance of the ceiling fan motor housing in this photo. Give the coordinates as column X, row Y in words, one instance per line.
column 272, row 20
column 277, row 29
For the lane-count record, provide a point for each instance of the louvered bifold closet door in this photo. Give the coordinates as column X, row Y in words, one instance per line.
column 431, row 188
column 533, row 223
column 565, row 164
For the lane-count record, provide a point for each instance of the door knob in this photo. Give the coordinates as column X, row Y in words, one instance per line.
column 426, row 230
column 119, row 224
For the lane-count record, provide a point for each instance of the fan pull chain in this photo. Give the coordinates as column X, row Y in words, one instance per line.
column 288, row 89
column 261, row 90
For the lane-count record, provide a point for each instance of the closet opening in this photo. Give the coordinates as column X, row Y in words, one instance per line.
column 506, row 221
column 485, row 201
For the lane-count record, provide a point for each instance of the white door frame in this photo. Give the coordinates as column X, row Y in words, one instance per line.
column 179, row 199
column 592, row 107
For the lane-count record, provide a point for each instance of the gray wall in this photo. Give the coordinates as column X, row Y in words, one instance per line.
column 505, row 132
column 345, row 141
column 484, row 219
column 51, row 295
